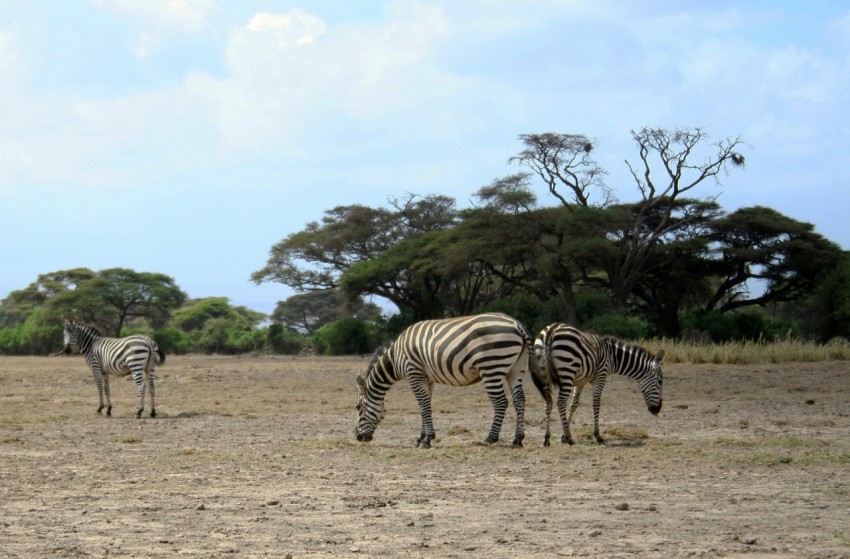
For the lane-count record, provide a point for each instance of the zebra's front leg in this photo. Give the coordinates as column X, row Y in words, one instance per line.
column 427, row 434
column 422, row 390
column 98, row 382
column 424, row 440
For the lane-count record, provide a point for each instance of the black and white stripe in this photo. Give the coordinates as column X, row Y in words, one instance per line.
column 137, row 355
column 461, row 351
column 569, row 359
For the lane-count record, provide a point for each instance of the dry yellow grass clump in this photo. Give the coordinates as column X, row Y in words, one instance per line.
column 749, row 352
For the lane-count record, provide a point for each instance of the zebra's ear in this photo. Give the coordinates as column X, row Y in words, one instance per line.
column 361, row 384
column 659, row 357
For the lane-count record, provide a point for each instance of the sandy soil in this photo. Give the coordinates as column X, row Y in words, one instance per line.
column 256, row 457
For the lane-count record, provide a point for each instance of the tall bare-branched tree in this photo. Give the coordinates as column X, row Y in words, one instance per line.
column 672, row 165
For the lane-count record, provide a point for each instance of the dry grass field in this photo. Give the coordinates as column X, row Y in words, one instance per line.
column 256, row 457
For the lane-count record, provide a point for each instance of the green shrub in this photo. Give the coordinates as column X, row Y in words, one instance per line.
column 280, row 339
column 617, row 325
column 172, row 340
column 346, row 336
column 12, row 340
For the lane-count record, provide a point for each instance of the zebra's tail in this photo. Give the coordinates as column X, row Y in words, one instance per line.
column 159, row 358
column 543, row 385
column 539, row 379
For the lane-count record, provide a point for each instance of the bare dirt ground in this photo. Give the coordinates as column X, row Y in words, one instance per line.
column 256, row 457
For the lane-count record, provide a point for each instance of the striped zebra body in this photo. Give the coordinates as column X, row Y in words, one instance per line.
column 493, row 348
column 569, row 359
column 137, row 355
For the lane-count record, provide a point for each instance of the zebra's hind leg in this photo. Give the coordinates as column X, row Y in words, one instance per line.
column 151, row 392
column 597, row 402
column 108, row 395
column 519, row 405
column 547, row 397
column 567, row 398
column 138, row 378
column 102, row 383
column 495, row 387
column 425, row 440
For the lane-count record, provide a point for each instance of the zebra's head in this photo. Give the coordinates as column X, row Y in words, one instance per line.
column 650, row 383
column 77, row 336
column 370, row 407
column 69, row 337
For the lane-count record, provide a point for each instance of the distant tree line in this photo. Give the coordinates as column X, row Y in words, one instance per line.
column 120, row 301
column 668, row 263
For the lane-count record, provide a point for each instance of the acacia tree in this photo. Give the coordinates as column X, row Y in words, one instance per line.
column 564, row 163
column 307, row 312
column 515, row 245
column 684, row 167
column 116, row 295
column 759, row 243
column 15, row 308
column 370, row 248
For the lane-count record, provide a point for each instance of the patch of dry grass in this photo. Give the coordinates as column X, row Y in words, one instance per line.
column 750, row 352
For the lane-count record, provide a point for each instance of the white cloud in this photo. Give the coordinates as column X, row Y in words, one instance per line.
column 289, row 73
column 185, row 16
column 297, row 26
column 162, row 18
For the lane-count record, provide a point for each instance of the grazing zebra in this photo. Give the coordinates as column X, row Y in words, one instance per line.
column 136, row 354
column 461, row 351
column 569, row 359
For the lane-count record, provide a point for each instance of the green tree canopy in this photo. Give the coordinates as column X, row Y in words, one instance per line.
column 115, row 295
column 307, row 312
column 759, row 243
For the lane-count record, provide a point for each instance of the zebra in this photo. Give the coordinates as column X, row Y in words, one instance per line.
column 137, row 355
column 569, row 359
column 492, row 347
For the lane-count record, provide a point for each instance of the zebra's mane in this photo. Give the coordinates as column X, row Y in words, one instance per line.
column 89, row 328
column 373, row 361
column 375, row 356
column 622, row 345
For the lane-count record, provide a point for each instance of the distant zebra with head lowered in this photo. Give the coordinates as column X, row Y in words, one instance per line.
column 461, row 351
column 137, row 355
column 569, row 359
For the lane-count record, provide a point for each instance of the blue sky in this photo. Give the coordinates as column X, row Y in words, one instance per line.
column 186, row 137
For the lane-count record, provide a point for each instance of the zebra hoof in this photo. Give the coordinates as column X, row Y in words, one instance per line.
column 139, row 414
column 109, row 411
column 153, row 413
column 517, row 443
column 546, row 440
column 566, row 439
column 491, row 440
column 426, row 443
